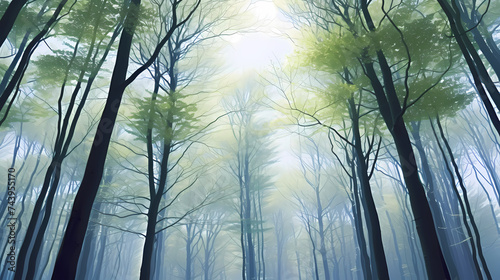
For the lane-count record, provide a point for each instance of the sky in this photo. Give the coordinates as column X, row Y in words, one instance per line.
column 265, row 42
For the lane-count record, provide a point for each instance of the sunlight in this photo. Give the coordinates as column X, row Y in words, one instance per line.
column 257, row 49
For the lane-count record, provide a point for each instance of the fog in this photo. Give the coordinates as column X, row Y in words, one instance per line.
column 290, row 139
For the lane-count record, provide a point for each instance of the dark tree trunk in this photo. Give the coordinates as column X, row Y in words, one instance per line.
column 28, row 198
column 156, row 197
column 64, row 137
column 23, row 64
column 465, row 209
column 391, row 112
column 67, row 259
column 396, row 247
column 432, row 193
column 479, row 73
column 12, row 66
column 358, row 229
column 372, row 220
column 9, row 17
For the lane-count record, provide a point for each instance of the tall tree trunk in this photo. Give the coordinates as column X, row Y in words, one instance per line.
column 189, row 258
column 12, row 66
column 9, row 17
column 103, row 240
column 67, row 259
column 23, row 64
column 372, row 220
column 396, row 247
column 87, row 254
column 63, row 139
column 391, row 112
column 358, row 228
column 478, row 71
column 335, row 260
column 156, row 197
column 466, row 209
column 321, row 232
column 262, row 243
column 432, row 193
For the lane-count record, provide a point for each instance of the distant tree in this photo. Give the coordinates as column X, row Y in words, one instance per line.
column 314, row 206
column 251, row 158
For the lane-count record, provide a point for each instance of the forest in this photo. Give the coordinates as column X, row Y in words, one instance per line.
column 249, row 139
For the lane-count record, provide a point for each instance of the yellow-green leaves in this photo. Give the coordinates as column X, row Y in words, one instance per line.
column 444, row 98
column 168, row 117
column 333, row 51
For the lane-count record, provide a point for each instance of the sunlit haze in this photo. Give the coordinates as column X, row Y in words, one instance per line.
column 263, row 43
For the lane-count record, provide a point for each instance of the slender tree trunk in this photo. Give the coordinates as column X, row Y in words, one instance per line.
column 242, row 228
column 372, row 220
column 432, row 192
column 52, row 244
column 335, row 260
column 358, row 227
column 97, row 272
column 189, row 257
column 478, row 70
column 23, row 64
column 88, row 254
column 466, row 209
column 27, row 189
column 156, row 198
column 261, row 223
column 12, row 66
column 321, row 232
column 297, row 253
column 313, row 251
column 37, row 245
column 487, row 45
column 25, row 250
column 252, row 269
column 396, row 247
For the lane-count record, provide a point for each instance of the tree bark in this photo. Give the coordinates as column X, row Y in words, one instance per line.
column 67, row 259
column 372, row 223
column 387, row 99
column 9, row 17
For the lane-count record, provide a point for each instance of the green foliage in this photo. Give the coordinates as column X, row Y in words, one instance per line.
column 446, row 98
column 333, row 51
column 52, row 68
column 169, row 117
column 93, row 17
column 417, row 48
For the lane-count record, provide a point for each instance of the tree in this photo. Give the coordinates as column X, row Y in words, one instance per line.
column 9, row 17
column 67, row 123
column 485, row 86
column 13, row 85
column 394, row 95
column 68, row 256
column 251, row 158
